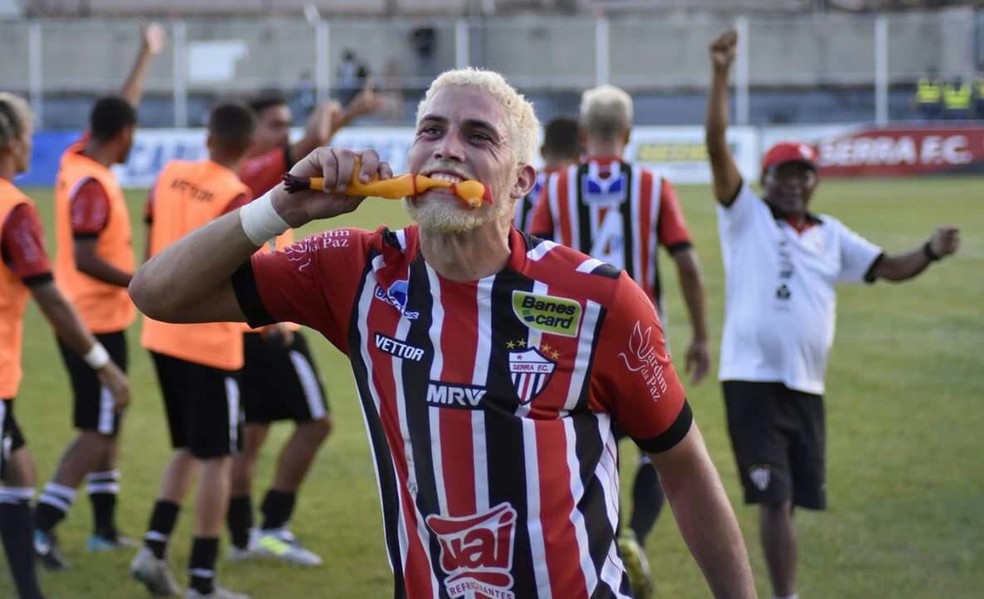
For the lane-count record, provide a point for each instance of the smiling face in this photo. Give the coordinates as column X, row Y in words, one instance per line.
column 462, row 134
column 272, row 128
column 789, row 187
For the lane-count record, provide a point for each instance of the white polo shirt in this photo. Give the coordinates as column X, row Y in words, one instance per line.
column 780, row 304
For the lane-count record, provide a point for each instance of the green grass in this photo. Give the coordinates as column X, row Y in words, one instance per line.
column 906, row 483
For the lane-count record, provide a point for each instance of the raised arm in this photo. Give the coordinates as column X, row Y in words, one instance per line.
column 727, row 179
column 705, row 517
column 900, row 267
column 190, row 280
column 151, row 43
column 328, row 118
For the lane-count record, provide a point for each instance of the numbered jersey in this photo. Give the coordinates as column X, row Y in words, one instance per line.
column 616, row 212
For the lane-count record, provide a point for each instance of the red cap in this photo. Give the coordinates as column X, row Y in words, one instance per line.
column 788, row 151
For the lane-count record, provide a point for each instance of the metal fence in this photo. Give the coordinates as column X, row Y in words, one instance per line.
column 54, row 61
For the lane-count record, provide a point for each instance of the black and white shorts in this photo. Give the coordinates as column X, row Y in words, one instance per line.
column 281, row 383
column 778, row 437
column 11, row 438
column 94, row 403
column 202, row 405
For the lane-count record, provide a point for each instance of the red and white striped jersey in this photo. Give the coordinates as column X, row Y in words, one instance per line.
column 614, row 211
column 489, row 404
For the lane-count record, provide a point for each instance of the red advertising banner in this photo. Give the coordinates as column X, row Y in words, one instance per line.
column 903, row 151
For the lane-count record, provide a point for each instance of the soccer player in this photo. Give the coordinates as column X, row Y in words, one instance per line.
column 490, row 365
column 561, row 148
column 93, row 266
column 197, row 365
column 781, row 264
column 621, row 213
column 280, row 378
column 25, row 271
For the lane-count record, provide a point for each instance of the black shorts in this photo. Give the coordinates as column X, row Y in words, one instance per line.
column 779, row 439
column 93, row 403
column 202, row 405
column 11, row 438
column 281, row 383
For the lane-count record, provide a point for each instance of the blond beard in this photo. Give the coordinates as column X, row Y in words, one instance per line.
column 442, row 216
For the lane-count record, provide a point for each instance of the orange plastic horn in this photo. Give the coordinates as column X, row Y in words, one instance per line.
column 471, row 192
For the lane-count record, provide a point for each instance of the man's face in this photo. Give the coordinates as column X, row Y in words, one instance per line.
column 22, row 149
column 126, row 143
column 272, row 128
column 788, row 187
column 462, row 135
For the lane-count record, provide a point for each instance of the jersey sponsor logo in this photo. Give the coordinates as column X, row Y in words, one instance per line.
column 396, row 295
column 530, row 369
column 556, row 315
column 477, row 552
column 398, row 349
column 598, row 190
column 641, row 358
column 448, row 395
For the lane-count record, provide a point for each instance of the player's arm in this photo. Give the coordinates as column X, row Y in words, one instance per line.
column 698, row 361
column 151, row 43
column 903, row 266
column 190, row 280
column 727, row 179
column 705, row 517
column 90, row 208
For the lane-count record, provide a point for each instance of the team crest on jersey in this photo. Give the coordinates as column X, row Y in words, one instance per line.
column 598, row 190
column 557, row 315
column 477, row 552
column 530, row 369
column 396, row 295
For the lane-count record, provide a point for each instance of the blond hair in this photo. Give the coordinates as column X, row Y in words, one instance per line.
column 522, row 127
column 606, row 112
column 15, row 118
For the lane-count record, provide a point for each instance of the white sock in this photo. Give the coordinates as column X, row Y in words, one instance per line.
column 793, row 596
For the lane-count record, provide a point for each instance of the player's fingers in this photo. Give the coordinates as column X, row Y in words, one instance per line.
column 369, row 166
column 346, row 167
column 385, row 170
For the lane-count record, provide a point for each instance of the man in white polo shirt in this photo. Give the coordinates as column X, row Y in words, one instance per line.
column 781, row 264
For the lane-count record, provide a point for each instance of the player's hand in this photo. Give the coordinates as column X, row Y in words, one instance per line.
column 698, row 360
column 111, row 377
column 724, row 49
column 323, row 123
column 336, row 165
column 278, row 334
column 365, row 102
column 945, row 240
column 153, row 38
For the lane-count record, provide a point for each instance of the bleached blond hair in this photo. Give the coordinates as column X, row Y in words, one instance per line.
column 606, row 112
column 522, row 126
column 15, row 118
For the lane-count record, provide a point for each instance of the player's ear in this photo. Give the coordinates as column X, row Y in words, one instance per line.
column 525, row 179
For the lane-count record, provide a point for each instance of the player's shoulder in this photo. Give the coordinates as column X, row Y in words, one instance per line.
column 564, row 268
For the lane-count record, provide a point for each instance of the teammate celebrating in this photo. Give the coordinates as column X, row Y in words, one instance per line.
column 490, row 365
column 781, row 262
column 24, row 270
column 93, row 265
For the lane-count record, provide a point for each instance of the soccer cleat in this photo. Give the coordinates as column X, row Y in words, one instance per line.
column 240, row 554
column 636, row 566
column 154, row 574
column 46, row 549
column 281, row 544
column 217, row 593
column 97, row 543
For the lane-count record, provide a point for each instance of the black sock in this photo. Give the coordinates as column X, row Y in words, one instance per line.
column 18, row 542
column 278, row 507
column 103, row 488
column 647, row 502
column 201, row 567
column 240, row 520
column 53, row 506
column 162, row 521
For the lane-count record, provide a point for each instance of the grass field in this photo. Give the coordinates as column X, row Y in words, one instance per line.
column 905, row 427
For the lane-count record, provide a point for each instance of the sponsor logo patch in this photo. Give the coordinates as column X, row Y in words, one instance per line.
column 598, row 190
column 397, row 348
column 396, row 295
column 530, row 369
column 556, row 315
column 477, row 552
column 448, row 395
column 641, row 358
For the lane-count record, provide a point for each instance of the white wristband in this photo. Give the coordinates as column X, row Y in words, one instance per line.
column 260, row 221
column 97, row 357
